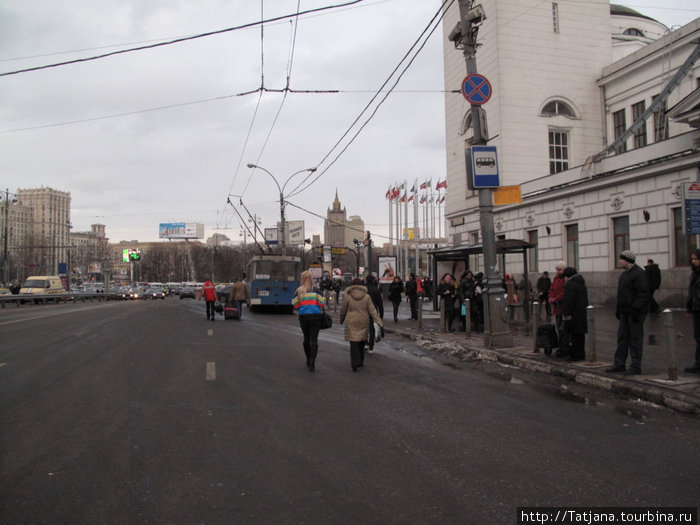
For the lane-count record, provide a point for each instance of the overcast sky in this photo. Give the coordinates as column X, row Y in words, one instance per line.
column 160, row 135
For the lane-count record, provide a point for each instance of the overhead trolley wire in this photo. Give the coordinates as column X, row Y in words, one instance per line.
column 182, row 39
column 429, row 29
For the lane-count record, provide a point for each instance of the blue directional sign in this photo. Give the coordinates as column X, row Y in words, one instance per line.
column 691, row 207
column 484, row 167
column 476, row 89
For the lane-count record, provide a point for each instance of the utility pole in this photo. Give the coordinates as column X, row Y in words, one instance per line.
column 497, row 333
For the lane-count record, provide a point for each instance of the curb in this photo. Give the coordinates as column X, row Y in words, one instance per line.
column 667, row 397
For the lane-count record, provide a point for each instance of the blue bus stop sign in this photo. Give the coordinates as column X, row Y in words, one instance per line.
column 476, row 89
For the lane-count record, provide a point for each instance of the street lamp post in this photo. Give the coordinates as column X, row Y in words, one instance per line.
column 281, row 190
column 5, row 262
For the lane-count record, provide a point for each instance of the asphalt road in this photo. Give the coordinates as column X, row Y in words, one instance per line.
column 145, row 412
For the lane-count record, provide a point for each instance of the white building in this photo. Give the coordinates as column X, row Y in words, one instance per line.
column 569, row 78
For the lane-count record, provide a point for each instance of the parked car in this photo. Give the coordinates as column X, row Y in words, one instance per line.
column 187, row 292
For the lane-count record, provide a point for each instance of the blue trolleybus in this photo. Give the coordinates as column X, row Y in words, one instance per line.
column 273, row 279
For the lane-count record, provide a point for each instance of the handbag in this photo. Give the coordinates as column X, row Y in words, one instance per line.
column 326, row 321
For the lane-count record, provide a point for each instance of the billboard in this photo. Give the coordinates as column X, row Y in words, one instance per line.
column 387, row 270
column 180, row 230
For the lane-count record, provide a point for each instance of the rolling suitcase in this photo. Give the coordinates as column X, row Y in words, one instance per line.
column 546, row 338
column 230, row 311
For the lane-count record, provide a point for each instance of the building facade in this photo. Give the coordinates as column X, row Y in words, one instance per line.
column 338, row 230
column 568, row 80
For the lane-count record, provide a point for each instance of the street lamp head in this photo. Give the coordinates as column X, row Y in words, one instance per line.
column 312, row 169
column 251, row 165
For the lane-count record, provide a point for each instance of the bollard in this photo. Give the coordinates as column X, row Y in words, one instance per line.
column 590, row 340
column 671, row 345
column 535, row 325
column 467, row 318
column 420, row 314
column 442, row 316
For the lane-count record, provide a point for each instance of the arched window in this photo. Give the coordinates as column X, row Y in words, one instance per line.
column 633, row 31
column 557, row 107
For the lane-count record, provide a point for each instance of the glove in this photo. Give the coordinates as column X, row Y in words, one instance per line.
column 381, row 332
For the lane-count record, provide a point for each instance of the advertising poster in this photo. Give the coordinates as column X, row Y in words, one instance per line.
column 387, row 269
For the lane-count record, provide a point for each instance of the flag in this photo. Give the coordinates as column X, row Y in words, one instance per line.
column 422, row 199
column 424, row 185
column 442, row 184
column 388, row 194
column 413, row 188
column 442, row 200
column 403, row 199
column 410, row 198
column 396, row 193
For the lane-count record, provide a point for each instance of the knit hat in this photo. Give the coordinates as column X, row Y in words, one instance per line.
column 628, row 255
column 569, row 271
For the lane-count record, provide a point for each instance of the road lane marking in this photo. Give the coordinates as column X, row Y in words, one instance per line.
column 2, row 364
column 210, row 332
column 211, row 371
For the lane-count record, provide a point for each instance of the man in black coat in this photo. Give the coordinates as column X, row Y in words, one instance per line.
column 376, row 295
column 654, row 279
column 544, row 283
column 574, row 316
column 631, row 310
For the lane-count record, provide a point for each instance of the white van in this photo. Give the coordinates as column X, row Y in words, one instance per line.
column 42, row 285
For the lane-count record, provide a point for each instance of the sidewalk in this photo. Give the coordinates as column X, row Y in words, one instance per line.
column 653, row 385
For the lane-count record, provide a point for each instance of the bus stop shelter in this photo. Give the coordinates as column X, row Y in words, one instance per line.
column 462, row 253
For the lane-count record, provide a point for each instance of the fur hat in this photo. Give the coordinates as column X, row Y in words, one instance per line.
column 569, row 271
column 560, row 265
column 629, row 256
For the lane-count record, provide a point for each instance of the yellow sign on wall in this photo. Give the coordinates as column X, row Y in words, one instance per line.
column 507, row 195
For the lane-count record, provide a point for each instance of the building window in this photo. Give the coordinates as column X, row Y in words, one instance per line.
column 621, row 237
column 532, row 259
column 633, row 31
column 558, row 151
column 684, row 244
column 640, row 135
column 572, row 245
column 557, row 107
column 619, row 127
column 555, row 17
column 660, row 122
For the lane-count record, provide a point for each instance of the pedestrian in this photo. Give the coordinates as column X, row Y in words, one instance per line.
column 654, row 280
column 326, row 286
column 428, row 288
column 556, row 295
column 419, row 285
column 631, row 310
column 239, row 293
column 447, row 290
column 396, row 288
column 209, row 292
column 544, row 283
column 573, row 309
column 309, row 303
column 478, row 307
column 357, row 309
column 412, row 294
column 466, row 290
column 376, row 295
column 336, row 291
column 693, row 308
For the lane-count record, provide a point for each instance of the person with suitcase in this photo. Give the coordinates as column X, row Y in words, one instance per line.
column 239, row 293
column 209, row 292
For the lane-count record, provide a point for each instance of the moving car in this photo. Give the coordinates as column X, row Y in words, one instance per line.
column 187, row 292
column 155, row 293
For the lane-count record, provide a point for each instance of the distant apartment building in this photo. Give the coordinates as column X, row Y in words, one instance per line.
column 571, row 82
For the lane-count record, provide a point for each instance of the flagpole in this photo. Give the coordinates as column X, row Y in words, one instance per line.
column 391, row 232
column 416, row 267
column 398, row 225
